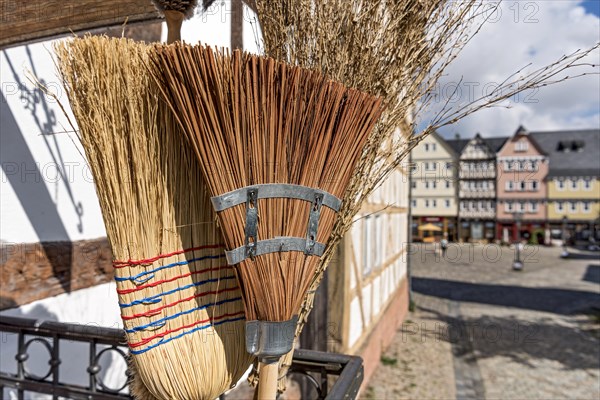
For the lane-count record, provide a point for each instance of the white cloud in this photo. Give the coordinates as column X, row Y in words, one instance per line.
column 524, row 32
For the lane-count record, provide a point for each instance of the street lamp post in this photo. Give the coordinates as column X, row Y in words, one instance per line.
column 517, row 263
column 565, row 251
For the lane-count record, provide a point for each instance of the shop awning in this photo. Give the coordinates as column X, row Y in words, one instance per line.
column 430, row 228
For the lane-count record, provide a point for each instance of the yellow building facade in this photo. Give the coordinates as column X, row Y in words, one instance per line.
column 572, row 183
column 577, row 198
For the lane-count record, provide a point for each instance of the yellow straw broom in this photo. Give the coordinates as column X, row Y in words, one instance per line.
column 180, row 302
column 277, row 146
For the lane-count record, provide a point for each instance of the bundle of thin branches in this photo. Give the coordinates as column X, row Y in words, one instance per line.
column 397, row 50
column 388, row 48
column 180, row 303
column 255, row 121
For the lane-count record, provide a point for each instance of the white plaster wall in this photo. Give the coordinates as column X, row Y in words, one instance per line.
column 400, row 269
column 96, row 306
column 46, row 189
column 367, row 303
column 355, row 324
column 211, row 27
column 377, row 292
column 393, row 191
column 377, row 295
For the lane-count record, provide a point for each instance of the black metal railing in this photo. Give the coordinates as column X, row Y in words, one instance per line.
column 317, row 368
column 52, row 336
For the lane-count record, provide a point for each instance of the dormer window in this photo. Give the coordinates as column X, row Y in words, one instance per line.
column 577, row 145
column 522, row 145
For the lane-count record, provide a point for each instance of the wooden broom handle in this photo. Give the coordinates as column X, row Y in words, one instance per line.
column 267, row 383
column 174, row 21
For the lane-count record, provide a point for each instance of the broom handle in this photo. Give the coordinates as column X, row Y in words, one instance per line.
column 267, row 384
column 174, row 21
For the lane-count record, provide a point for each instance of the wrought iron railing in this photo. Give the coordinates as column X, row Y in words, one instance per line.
column 317, row 368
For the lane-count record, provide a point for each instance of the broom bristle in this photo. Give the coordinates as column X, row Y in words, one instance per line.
column 180, row 303
column 253, row 120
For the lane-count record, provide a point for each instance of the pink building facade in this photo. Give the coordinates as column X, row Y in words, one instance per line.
column 521, row 189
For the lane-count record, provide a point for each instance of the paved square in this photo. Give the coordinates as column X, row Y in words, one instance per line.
column 483, row 331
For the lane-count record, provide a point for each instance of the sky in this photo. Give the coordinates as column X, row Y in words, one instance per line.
column 524, row 32
column 592, row 6
column 521, row 32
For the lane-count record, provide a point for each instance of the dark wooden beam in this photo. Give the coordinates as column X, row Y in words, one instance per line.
column 29, row 21
column 237, row 24
column 33, row 20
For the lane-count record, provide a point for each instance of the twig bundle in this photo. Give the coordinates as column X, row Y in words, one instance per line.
column 180, row 303
column 253, row 120
column 380, row 47
column 397, row 50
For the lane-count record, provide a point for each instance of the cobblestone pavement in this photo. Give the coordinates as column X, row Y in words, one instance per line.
column 483, row 331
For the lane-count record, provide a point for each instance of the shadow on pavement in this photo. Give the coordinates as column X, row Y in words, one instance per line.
column 559, row 301
column 522, row 341
column 583, row 256
column 592, row 274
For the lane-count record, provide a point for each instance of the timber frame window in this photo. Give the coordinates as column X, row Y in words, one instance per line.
column 521, row 146
column 559, row 206
column 586, row 207
column 535, row 186
column 574, row 184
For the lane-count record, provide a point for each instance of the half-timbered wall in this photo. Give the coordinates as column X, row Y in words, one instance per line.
column 367, row 283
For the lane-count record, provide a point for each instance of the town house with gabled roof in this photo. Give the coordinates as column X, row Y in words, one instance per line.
column 433, row 189
column 477, row 188
column 572, row 182
column 521, row 189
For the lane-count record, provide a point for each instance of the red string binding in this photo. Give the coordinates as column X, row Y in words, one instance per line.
column 156, row 311
column 163, row 334
column 148, row 261
column 135, row 289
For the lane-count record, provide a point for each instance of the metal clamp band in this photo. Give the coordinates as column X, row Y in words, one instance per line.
column 276, row 245
column 270, row 340
column 275, row 190
column 313, row 223
column 251, row 223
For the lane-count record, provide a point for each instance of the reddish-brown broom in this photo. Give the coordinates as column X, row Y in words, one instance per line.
column 277, row 145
